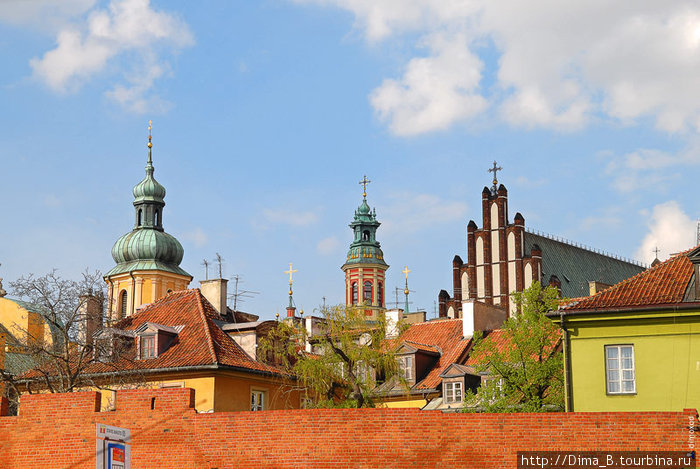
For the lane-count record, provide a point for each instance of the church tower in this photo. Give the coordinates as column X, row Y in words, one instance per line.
column 148, row 259
column 365, row 268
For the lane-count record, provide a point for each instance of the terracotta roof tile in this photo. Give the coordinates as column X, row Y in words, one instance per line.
column 662, row 284
column 445, row 335
column 502, row 342
column 200, row 342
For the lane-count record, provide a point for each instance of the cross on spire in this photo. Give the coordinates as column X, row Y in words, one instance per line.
column 495, row 170
column 406, row 271
column 364, row 183
column 290, row 272
column 656, row 252
column 150, row 145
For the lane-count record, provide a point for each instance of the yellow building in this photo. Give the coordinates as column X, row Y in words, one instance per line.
column 636, row 345
column 148, row 259
column 177, row 342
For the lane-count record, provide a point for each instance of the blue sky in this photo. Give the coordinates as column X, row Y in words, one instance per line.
column 266, row 114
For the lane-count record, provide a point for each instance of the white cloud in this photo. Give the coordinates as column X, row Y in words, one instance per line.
column 289, row 217
column 561, row 64
column 129, row 31
column 197, row 236
column 328, row 245
column 671, row 230
column 434, row 91
column 47, row 15
column 408, row 213
column 647, row 168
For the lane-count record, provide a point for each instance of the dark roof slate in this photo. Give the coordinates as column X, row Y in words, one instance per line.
column 575, row 266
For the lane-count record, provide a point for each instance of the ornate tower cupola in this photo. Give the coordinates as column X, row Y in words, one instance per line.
column 148, row 259
column 364, row 267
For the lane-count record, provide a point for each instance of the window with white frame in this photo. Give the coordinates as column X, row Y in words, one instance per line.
column 619, row 369
column 406, row 367
column 257, row 399
column 452, row 392
column 148, row 347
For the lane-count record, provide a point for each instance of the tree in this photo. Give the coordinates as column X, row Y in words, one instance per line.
column 61, row 353
column 347, row 356
column 524, row 367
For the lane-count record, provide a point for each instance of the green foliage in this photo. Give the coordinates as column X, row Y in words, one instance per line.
column 526, row 375
column 348, row 357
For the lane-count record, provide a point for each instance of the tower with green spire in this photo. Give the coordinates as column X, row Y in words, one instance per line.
column 148, row 259
column 364, row 267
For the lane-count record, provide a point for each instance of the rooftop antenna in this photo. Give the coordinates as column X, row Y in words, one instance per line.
column 220, row 261
column 240, row 295
column 397, row 292
column 205, row 263
column 697, row 234
column 324, row 302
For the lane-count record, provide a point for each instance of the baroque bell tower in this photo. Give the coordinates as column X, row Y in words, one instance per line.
column 364, row 267
column 148, row 259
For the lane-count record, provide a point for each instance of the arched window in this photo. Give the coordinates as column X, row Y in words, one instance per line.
column 379, row 295
column 354, row 293
column 140, row 214
column 367, row 292
column 365, row 235
column 122, row 304
column 157, row 216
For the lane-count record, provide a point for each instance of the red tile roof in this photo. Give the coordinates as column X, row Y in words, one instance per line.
column 662, row 284
column 200, row 341
column 445, row 335
column 501, row 339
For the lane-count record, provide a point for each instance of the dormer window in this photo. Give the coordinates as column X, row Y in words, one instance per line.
column 406, row 367
column 155, row 339
column 110, row 344
column 148, row 347
column 452, row 392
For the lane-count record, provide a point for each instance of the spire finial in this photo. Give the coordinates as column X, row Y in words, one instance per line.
column 364, row 183
column 494, row 170
column 150, row 145
column 406, row 291
column 290, row 272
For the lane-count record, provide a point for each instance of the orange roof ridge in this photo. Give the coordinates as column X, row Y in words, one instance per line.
column 210, row 341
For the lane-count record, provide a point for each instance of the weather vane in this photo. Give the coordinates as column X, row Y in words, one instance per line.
column 364, row 183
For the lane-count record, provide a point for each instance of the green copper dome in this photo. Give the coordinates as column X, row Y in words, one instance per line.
column 149, row 189
column 365, row 248
column 148, row 246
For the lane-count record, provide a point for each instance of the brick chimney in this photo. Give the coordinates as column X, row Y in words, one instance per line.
column 215, row 291
column 91, row 312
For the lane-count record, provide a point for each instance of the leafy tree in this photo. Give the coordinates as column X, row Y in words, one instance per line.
column 525, row 369
column 348, row 356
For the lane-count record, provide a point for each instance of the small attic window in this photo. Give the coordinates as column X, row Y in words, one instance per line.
column 365, row 235
column 147, row 347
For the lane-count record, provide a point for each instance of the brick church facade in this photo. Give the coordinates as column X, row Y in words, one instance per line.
column 504, row 257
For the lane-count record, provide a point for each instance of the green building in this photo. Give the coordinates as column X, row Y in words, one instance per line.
column 636, row 345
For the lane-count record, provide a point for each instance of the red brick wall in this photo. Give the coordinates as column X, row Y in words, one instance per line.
column 58, row 431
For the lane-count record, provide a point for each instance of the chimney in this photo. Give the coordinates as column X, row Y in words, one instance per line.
column 392, row 318
column 468, row 319
column 91, row 310
column 215, row 292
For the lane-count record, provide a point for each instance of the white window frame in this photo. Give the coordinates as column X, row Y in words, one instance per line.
column 406, row 366
column 451, row 388
column 142, row 339
column 617, row 372
column 258, row 399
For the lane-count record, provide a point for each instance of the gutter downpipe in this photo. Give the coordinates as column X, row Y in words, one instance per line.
column 568, row 398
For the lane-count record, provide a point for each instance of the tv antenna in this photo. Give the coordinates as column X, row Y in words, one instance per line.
column 205, row 263
column 220, row 261
column 399, row 291
column 240, row 295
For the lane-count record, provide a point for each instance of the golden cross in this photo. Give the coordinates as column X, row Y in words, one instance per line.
column 494, row 170
column 290, row 272
column 405, row 271
column 364, row 183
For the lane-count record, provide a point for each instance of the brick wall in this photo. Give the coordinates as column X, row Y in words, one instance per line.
column 58, row 431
